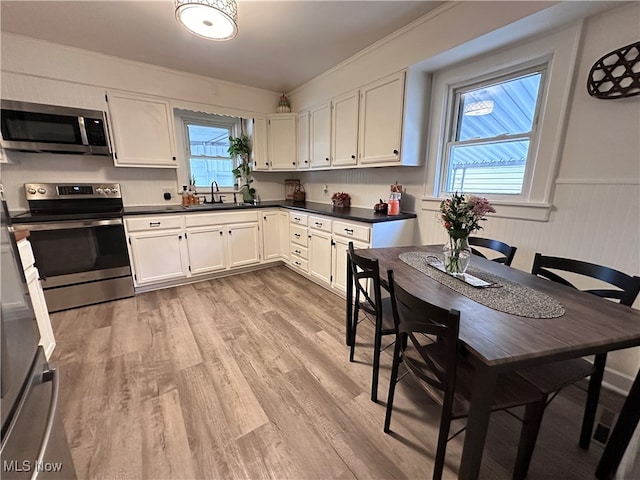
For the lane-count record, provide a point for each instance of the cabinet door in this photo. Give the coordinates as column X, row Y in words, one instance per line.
column 320, row 255
column 157, row 256
column 142, row 130
column 271, row 235
column 282, row 141
column 304, row 156
column 206, row 249
column 320, row 128
column 344, row 129
column 47, row 340
column 284, row 235
column 339, row 265
column 243, row 244
column 380, row 132
column 259, row 150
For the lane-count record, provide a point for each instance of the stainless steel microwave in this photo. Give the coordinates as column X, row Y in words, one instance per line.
column 35, row 127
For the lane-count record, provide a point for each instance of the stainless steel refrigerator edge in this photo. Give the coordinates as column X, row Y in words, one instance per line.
column 33, row 441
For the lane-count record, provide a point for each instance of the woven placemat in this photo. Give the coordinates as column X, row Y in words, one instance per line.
column 504, row 296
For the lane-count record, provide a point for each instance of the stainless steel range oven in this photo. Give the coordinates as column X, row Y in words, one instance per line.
column 79, row 244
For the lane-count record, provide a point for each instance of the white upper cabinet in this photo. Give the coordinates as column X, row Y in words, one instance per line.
column 259, row 143
column 381, row 114
column 304, row 156
column 344, row 129
column 282, row 141
column 320, row 128
column 142, row 131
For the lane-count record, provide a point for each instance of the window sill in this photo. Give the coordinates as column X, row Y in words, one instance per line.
column 538, row 212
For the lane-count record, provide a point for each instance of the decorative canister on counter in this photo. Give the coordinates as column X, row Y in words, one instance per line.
column 394, row 199
column 283, row 105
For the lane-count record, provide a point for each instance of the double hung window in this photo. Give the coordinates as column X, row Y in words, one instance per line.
column 207, row 144
column 492, row 128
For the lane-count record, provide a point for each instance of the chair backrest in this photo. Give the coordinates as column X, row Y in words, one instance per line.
column 412, row 315
column 507, row 250
column 629, row 286
column 366, row 277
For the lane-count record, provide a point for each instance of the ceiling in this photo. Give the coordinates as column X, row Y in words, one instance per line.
column 280, row 44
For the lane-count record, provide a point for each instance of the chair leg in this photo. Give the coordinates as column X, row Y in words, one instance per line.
column 593, row 396
column 443, row 438
column 392, row 383
column 354, row 327
column 377, row 345
column 533, row 415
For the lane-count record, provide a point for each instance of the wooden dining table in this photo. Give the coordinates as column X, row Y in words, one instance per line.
column 499, row 342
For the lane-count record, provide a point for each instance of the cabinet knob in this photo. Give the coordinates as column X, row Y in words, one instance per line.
column 266, row 163
column 327, row 159
column 173, row 158
column 395, row 152
column 220, row 232
column 306, row 161
column 265, row 217
column 179, row 237
column 353, row 156
column 293, row 163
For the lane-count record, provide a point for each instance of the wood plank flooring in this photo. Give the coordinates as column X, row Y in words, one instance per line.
column 247, row 377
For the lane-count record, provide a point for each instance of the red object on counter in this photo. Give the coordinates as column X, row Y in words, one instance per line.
column 394, row 204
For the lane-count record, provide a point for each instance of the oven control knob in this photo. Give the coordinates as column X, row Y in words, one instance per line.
column 107, row 191
column 114, row 190
column 99, row 190
column 42, row 191
column 31, row 191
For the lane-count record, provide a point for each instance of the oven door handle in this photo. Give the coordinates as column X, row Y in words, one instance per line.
column 66, row 225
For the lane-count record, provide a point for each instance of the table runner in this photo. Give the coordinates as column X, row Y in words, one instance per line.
column 505, row 296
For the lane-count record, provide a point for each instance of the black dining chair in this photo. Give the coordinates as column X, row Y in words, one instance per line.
column 364, row 296
column 551, row 378
column 434, row 357
column 507, row 250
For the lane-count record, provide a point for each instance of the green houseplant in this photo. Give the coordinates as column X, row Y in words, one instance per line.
column 241, row 147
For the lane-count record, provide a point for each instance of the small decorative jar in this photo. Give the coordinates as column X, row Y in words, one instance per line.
column 283, row 105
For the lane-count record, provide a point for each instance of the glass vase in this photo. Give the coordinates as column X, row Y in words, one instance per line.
column 457, row 254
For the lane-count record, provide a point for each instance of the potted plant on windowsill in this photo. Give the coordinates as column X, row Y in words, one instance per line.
column 241, row 147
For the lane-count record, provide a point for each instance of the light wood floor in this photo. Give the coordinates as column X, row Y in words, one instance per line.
column 248, row 377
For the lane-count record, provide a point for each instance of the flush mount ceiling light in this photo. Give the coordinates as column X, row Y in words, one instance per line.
column 475, row 109
column 211, row 19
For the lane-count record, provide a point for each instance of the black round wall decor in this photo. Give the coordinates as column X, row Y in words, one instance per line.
column 616, row 74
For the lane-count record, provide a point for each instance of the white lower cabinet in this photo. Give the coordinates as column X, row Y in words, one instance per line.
column 157, row 256
column 271, row 248
column 339, row 262
column 320, row 255
column 283, row 224
column 38, row 302
column 206, row 249
column 243, row 245
column 166, row 249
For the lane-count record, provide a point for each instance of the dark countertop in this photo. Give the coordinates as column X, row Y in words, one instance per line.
column 352, row 213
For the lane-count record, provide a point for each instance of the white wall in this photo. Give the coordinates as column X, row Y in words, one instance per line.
column 596, row 200
column 43, row 72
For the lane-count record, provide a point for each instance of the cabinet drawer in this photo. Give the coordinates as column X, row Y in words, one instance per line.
column 320, row 223
column 299, row 218
column 301, row 264
column 350, row 230
column 160, row 222
column 299, row 252
column 298, row 235
column 226, row 218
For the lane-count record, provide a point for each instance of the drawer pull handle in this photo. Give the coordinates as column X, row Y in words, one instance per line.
column 297, row 235
column 154, row 224
column 297, row 251
column 318, row 224
column 349, row 231
column 296, row 219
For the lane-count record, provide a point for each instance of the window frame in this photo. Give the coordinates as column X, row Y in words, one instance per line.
column 453, row 122
column 233, row 124
column 560, row 49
